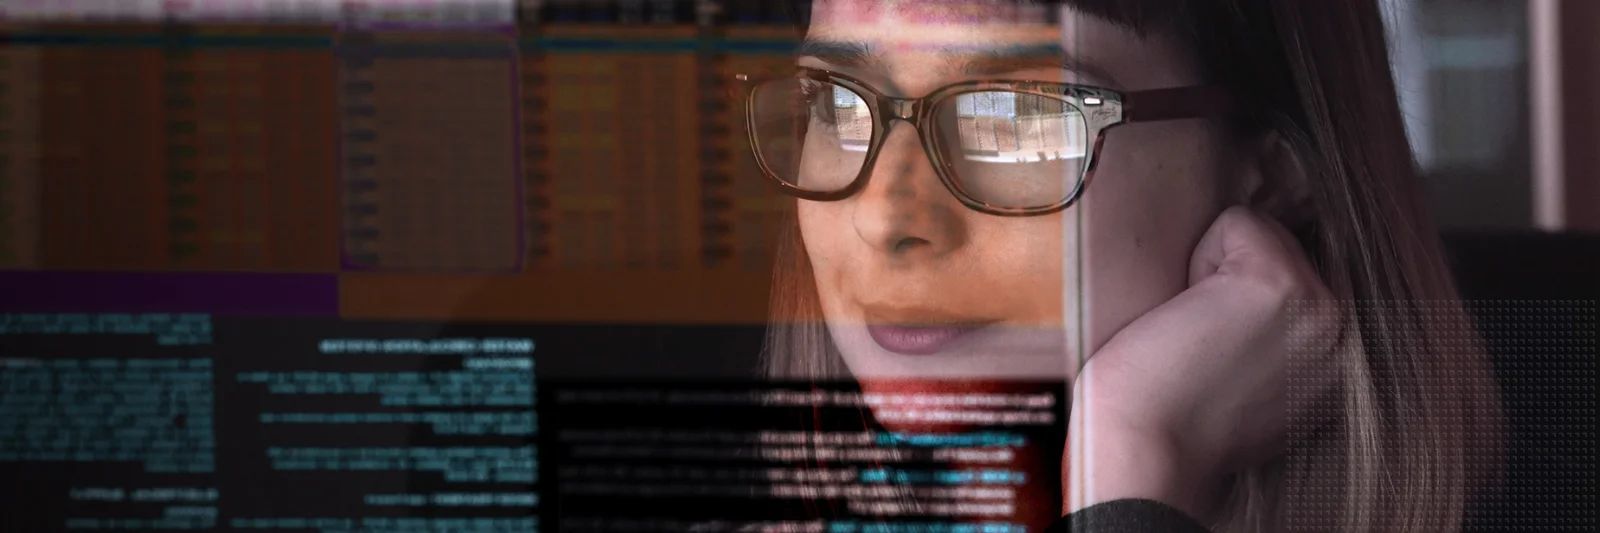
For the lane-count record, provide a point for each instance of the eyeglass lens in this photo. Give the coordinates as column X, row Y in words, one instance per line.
column 1006, row 149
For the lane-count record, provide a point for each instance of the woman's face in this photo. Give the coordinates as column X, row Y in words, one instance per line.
column 915, row 285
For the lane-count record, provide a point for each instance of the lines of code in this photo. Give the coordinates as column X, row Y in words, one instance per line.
column 168, row 329
column 424, row 433
column 672, row 450
column 463, row 464
column 457, row 499
column 482, row 382
column 750, row 466
column 787, row 446
column 338, row 426
column 451, row 389
column 156, row 412
column 389, row 525
column 812, row 526
column 191, row 508
column 442, row 423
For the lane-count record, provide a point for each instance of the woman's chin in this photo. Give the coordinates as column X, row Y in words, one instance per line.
column 1004, row 376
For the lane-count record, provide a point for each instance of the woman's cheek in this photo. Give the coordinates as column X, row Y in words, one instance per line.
column 819, row 238
column 1147, row 209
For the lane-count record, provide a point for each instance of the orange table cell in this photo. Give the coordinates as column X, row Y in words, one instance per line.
column 103, row 159
column 19, row 158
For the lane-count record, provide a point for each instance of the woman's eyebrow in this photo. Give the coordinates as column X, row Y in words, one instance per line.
column 965, row 60
column 1001, row 60
column 854, row 54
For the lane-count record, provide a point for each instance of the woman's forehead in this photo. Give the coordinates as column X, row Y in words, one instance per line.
column 924, row 16
column 914, row 35
column 934, row 11
column 903, row 25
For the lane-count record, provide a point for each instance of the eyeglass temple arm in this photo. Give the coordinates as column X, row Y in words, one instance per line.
column 1194, row 101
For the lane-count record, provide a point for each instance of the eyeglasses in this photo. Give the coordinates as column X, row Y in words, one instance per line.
column 1007, row 148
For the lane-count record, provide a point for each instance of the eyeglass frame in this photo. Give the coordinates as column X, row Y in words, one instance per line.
column 1110, row 108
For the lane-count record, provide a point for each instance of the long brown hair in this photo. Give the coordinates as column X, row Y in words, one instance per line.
column 1420, row 424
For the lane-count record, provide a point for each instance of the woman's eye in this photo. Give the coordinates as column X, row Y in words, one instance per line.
column 810, row 91
column 816, row 98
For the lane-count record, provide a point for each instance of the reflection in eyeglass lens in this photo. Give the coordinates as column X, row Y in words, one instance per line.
column 1003, row 148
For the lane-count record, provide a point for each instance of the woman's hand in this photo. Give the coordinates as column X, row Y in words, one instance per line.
column 1198, row 388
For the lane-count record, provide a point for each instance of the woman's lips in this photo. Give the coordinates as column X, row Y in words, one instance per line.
column 918, row 340
column 919, row 330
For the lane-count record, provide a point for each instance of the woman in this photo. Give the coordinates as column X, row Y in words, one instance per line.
column 1249, row 298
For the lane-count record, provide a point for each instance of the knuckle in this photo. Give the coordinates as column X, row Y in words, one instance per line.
column 1280, row 282
column 1236, row 217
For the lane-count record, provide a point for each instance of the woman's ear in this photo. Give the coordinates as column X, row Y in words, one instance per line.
column 1275, row 182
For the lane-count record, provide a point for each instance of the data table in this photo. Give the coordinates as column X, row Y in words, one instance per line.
column 429, row 152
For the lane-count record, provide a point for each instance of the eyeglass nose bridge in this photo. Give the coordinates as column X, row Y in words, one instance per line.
column 902, row 108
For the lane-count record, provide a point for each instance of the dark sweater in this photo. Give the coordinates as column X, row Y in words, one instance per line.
column 1127, row 516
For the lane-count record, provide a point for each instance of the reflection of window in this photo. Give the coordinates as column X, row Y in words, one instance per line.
column 852, row 120
column 1462, row 75
column 1003, row 127
column 987, row 105
column 845, row 99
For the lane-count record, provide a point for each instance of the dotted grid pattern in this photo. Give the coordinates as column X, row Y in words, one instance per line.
column 1543, row 354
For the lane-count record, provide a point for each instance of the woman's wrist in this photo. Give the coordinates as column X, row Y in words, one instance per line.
column 1114, row 464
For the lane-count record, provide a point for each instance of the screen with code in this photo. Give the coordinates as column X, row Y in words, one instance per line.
column 485, row 266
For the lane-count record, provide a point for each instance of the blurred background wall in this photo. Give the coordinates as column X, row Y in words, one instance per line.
column 1496, row 94
column 1463, row 70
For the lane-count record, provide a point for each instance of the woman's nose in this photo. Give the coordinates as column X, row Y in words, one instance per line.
column 904, row 211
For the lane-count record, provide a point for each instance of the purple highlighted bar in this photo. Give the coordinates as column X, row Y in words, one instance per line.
column 162, row 292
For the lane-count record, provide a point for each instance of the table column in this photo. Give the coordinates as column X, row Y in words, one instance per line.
column 658, row 143
column 104, row 206
column 624, row 154
column 429, row 153
column 300, row 115
column 182, row 114
column 535, row 134
column 249, row 121
column 583, row 160
column 19, row 157
column 758, row 210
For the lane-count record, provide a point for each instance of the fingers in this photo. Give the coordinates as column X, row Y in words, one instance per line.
column 1241, row 242
column 1210, row 252
column 1234, row 362
column 1317, row 334
column 1254, row 251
